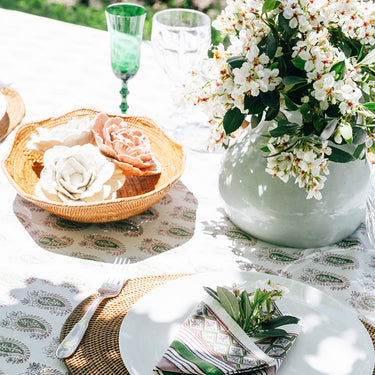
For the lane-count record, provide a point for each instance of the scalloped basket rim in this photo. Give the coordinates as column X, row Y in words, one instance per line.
column 87, row 206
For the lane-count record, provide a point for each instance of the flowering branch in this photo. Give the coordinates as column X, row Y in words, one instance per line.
column 308, row 67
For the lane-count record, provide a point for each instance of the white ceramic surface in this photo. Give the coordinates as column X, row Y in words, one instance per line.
column 279, row 212
column 332, row 342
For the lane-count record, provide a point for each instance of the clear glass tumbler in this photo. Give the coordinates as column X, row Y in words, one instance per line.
column 181, row 39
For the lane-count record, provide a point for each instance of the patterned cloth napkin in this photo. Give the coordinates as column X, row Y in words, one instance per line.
column 211, row 342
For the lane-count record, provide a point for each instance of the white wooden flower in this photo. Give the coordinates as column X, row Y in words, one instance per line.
column 74, row 132
column 78, row 175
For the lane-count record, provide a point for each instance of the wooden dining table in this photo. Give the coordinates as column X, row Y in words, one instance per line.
column 49, row 265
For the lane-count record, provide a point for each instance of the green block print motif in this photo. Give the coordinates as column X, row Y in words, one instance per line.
column 127, row 228
column 180, row 232
column 362, row 301
column 104, row 243
column 13, row 350
column 36, row 326
column 189, row 215
column 69, row 225
column 152, row 247
column 337, row 260
column 54, row 303
column 350, row 243
column 278, row 256
column 240, row 236
column 329, row 279
column 50, row 302
column 53, row 242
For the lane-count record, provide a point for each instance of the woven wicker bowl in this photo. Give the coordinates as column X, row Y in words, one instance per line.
column 23, row 167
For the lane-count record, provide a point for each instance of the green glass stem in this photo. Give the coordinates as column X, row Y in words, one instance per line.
column 124, row 93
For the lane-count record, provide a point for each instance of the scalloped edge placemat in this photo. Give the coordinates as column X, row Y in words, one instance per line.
column 15, row 111
column 99, row 351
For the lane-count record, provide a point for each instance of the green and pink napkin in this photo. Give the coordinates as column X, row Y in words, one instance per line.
column 211, row 342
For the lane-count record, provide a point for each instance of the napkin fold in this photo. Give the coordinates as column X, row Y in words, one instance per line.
column 211, row 342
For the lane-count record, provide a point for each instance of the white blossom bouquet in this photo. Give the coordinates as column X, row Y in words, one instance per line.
column 306, row 65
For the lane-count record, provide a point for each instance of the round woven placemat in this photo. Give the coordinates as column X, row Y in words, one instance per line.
column 99, row 351
column 14, row 113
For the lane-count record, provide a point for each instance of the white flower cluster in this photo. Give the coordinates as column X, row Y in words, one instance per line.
column 305, row 162
column 333, row 79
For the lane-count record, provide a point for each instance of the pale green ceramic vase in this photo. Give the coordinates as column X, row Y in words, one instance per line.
column 278, row 212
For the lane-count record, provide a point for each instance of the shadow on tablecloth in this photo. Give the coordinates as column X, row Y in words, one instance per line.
column 166, row 225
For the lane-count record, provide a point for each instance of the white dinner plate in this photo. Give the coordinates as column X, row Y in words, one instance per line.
column 332, row 342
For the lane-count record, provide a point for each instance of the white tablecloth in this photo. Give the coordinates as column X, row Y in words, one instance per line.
column 47, row 267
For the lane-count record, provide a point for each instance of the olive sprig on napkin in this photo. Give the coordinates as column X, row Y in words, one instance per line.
column 256, row 312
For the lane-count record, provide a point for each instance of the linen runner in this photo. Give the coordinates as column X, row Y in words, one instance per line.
column 211, row 342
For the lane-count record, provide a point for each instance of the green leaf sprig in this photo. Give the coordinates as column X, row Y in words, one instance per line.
column 255, row 312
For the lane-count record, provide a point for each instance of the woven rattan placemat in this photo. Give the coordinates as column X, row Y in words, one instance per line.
column 14, row 113
column 99, row 352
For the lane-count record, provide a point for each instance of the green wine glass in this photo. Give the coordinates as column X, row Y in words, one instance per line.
column 125, row 26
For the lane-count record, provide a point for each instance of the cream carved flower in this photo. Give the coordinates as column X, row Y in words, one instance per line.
column 74, row 132
column 128, row 147
column 78, row 175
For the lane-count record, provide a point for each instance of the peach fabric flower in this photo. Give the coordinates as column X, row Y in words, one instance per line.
column 128, row 147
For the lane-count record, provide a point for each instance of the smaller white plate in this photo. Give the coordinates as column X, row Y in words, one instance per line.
column 3, row 106
column 332, row 342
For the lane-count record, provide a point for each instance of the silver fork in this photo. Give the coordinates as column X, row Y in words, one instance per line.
column 110, row 288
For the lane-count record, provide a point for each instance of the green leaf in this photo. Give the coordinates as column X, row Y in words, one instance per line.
column 299, row 63
column 359, row 135
column 255, row 120
column 370, row 106
column 359, row 151
column 280, row 321
column 211, row 292
column 233, row 119
column 333, row 111
column 254, row 104
column 340, row 156
column 229, row 302
column 361, row 53
column 297, row 87
column 226, row 41
column 272, row 112
column 284, row 25
column 329, row 129
column 271, row 333
column 269, row 5
column 345, row 47
column 292, row 80
column 369, row 58
column 306, row 112
column 339, row 69
column 270, row 98
column 255, row 297
column 283, row 65
column 236, row 61
column 268, row 45
column 284, row 127
column 245, row 306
